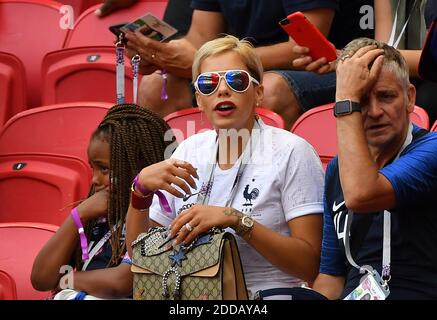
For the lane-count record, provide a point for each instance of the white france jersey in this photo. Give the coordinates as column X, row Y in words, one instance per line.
column 283, row 180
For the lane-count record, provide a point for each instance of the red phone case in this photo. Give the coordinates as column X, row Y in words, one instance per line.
column 307, row 35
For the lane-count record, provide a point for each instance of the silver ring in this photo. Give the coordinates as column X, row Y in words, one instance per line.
column 188, row 227
column 344, row 57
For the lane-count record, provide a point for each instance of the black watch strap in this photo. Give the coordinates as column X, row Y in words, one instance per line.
column 345, row 107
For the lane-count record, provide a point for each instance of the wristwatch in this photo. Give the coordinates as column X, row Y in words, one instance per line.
column 139, row 201
column 345, row 107
column 245, row 225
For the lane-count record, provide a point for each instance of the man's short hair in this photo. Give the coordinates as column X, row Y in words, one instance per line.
column 393, row 60
column 229, row 44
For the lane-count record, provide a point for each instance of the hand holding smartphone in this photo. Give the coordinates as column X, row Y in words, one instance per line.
column 307, row 35
column 148, row 25
column 116, row 29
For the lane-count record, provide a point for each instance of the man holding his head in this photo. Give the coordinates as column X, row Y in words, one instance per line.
column 385, row 178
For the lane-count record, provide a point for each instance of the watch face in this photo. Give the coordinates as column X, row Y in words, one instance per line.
column 247, row 221
column 343, row 107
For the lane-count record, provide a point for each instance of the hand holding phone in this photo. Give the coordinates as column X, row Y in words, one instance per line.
column 115, row 29
column 307, row 35
column 148, row 25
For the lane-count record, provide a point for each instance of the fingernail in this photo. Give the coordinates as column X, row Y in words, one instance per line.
column 176, row 247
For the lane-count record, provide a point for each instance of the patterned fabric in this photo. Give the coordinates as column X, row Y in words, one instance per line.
column 167, row 273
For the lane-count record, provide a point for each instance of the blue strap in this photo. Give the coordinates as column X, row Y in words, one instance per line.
column 80, row 295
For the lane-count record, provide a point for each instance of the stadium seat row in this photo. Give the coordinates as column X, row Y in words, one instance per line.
column 55, row 61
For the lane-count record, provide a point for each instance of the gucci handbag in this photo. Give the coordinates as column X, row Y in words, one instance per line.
column 207, row 269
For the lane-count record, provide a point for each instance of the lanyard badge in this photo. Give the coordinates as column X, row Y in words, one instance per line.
column 371, row 287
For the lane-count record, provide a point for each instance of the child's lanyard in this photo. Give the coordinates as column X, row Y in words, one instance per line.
column 97, row 247
column 119, row 71
column 386, row 247
column 203, row 197
column 392, row 42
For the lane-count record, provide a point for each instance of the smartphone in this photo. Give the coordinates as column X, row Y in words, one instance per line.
column 307, row 35
column 148, row 25
column 116, row 29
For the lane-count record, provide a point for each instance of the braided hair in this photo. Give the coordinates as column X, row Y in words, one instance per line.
column 136, row 139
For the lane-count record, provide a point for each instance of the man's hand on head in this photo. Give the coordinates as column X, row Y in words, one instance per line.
column 354, row 78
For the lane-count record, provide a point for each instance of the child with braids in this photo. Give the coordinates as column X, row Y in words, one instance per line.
column 128, row 139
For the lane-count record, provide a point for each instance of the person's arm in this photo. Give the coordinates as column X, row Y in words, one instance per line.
column 107, row 283
column 383, row 28
column 58, row 251
column 137, row 222
column 330, row 286
column 412, row 57
column 159, row 176
column 331, row 279
column 364, row 188
column 176, row 56
column 383, row 20
column 303, row 246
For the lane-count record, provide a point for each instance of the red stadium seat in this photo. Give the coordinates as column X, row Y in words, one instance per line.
column 434, row 127
column 8, row 289
column 187, row 122
column 12, row 86
column 82, row 74
column 62, row 129
column 419, row 116
column 90, row 30
column 19, row 245
column 80, row 6
column 271, row 118
column 29, row 29
column 41, row 187
column 318, row 127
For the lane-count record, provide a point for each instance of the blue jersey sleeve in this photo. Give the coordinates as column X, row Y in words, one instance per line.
column 414, row 175
column 332, row 260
